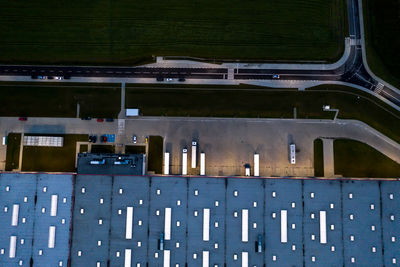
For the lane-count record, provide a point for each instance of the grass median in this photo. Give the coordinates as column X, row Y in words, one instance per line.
column 155, row 158
column 13, row 149
column 59, row 99
column 356, row 159
column 318, row 158
column 131, row 31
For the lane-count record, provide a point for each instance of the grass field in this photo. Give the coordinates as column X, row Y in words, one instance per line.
column 155, row 157
column 135, row 150
column 59, row 100
column 13, row 148
column 318, row 158
column 382, row 32
column 52, row 159
column 131, row 31
column 268, row 103
column 83, row 148
column 106, row 149
column 356, row 159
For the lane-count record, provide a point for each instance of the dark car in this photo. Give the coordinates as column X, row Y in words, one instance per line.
column 22, row 118
column 103, row 139
column 50, row 77
column 86, row 118
column 67, row 77
column 160, row 79
column 92, row 138
column 34, row 77
column 181, row 79
column 109, row 119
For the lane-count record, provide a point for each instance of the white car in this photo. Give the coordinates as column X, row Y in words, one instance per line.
column 184, row 150
column 169, row 79
column 58, row 77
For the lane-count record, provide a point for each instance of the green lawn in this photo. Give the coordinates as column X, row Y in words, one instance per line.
column 59, row 100
column 382, row 32
column 155, row 157
column 135, row 149
column 356, row 159
column 106, row 149
column 13, row 148
column 318, row 158
column 131, row 31
column 83, row 148
column 267, row 103
column 52, row 159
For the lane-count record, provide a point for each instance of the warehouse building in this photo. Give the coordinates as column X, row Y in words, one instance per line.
column 138, row 221
column 35, row 219
column 179, row 221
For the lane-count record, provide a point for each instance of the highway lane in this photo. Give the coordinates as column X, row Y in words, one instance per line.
column 133, row 72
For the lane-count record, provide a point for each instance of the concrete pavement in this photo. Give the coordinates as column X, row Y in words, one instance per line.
column 229, row 143
column 329, row 162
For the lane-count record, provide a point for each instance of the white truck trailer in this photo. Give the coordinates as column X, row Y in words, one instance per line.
column 184, row 161
column 194, row 154
column 292, row 154
column 202, row 163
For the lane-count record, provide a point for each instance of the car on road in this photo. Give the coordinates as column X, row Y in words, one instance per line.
column 40, row 77
column 103, row 139
column 50, row 77
column 100, row 120
column 181, row 79
column 67, row 77
column 35, row 77
column 275, row 76
column 160, row 79
column 169, row 79
column 146, row 139
column 22, row 118
column 58, row 78
column 184, row 150
column 86, row 118
column 134, row 139
column 109, row 119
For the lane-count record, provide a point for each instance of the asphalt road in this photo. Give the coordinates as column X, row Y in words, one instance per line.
column 353, row 71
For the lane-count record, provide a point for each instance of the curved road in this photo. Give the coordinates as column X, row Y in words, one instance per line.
column 353, row 71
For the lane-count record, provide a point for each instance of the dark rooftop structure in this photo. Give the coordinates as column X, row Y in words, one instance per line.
column 111, row 164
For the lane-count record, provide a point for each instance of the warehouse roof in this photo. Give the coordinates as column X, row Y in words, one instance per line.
column 222, row 221
column 31, row 204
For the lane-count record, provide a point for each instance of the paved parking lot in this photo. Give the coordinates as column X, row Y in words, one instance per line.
column 228, row 143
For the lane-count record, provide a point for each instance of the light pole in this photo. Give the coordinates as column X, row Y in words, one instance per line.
column 328, row 108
